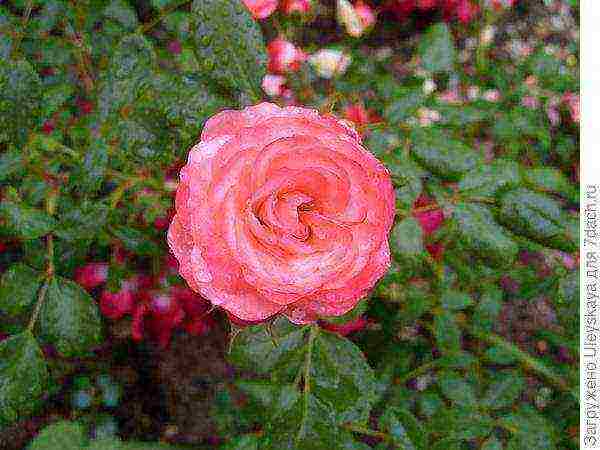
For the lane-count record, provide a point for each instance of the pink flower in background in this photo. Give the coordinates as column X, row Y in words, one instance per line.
column 284, row 56
column 282, row 211
column 431, row 219
column 261, row 9
column 91, row 275
column 365, row 13
column 346, row 328
column 572, row 101
column 296, row 6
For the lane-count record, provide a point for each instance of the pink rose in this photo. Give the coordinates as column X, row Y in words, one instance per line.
column 282, row 211
column 296, row 6
column 261, row 9
column 365, row 14
column 284, row 56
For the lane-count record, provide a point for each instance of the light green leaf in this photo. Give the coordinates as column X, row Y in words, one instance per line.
column 407, row 238
column 61, row 435
column 24, row 221
column 457, row 389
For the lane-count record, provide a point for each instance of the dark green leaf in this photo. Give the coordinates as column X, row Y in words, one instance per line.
column 255, row 349
column 407, row 238
column 455, row 300
column 24, row 221
column 447, row 333
column 20, row 100
column 441, row 154
column 549, row 179
column 136, row 241
column 457, row 389
column 82, row 222
column 69, row 318
column 247, row 442
column 488, row 308
column 485, row 180
column 229, row 44
column 437, row 49
column 23, row 376
column 18, row 287
column 404, row 104
column 492, row 444
column 482, row 235
column 503, row 391
column 404, row 428
column 94, row 166
column 11, row 162
column 120, row 11
column 62, row 435
column 530, row 430
column 128, row 75
column 538, row 217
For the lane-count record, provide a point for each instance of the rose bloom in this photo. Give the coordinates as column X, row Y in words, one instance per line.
column 261, row 9
column 282, row 211
column 284, row 56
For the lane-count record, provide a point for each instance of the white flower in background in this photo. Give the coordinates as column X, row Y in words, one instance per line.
column 329, row 63
column 487, row 35
column 491, row 95
column 349, row 18
column 273, row 85
column 429, row 86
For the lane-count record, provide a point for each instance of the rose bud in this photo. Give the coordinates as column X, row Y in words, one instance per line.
column 273, row 85
column 282, row 211
column 431, row 219
column 366, row 14
column 295, row 6
column 91, row 275
column 284, row 56
column 345, row 329
column 261, row 9
column 355, row 19
column 329, row 63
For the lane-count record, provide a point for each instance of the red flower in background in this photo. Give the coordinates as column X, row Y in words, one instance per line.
column 346, row 328
column 296, row 6
column 429, row 219
column 92, row 275
column 284, row 56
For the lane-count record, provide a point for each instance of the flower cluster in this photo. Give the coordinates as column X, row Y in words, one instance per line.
column 157, row 306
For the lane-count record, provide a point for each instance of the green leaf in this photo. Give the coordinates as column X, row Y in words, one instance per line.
column 128, row 75
column 486, row 179
column 82, row 222
column 446, row 332
column 437, row 50
column 492, row 443
column 503, row 391
column 457, row 389
column 56, row 96
column 70, row 319
column 94, row 166
column 254, row 349
column 539, row 218
column 18, row 287
column 407, row 238
column 530, row 430
column 230, row 45
column 480, row 234
column 120, row 11
column 498, row 355
column 405, row 430
column 23, row 376
column 24, row 221
column 342, row 378
column 455, row 300
column 441, row 154
column 11, row 162
column 247, row 442
column 549, row 179
column 20, row 101
column 136, row 241
column 488, row 308
column 62, row 435
column 404, row 103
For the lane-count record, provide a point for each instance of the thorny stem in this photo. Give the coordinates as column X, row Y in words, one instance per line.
column 526, row 360
column 314, row 331
column 366, row 431
column 24, row 22
column 144, row 28
column 50, row 209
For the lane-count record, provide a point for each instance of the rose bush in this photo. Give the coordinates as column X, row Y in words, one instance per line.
column 282, row 210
